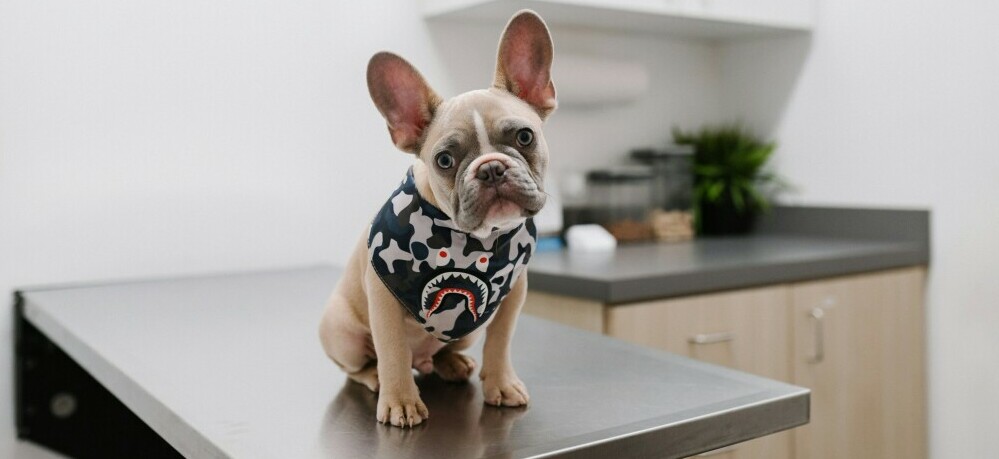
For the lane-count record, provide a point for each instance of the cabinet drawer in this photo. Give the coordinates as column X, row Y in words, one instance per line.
column 748, row 330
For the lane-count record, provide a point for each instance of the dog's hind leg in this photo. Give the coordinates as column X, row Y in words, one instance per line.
column 368, row 376
column 346, row 341
column 344, row 330
column 351, row 350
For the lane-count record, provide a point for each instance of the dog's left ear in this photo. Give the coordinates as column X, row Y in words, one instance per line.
column 524, row 62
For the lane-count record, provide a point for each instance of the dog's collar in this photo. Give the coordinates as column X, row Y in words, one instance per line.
column 449, row 280
column 408, row 186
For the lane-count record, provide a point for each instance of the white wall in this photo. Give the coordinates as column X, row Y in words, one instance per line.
column 897, row 104
column 159, row 138
column 684, row 82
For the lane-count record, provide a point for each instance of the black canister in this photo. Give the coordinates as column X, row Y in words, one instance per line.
column 672, row 190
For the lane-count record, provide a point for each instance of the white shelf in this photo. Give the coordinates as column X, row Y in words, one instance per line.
column 705, row 19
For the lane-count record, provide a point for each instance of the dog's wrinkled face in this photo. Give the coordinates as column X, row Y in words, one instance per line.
column 482, row 153
column 486, row 159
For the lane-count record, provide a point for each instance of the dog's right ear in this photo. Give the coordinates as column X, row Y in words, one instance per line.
column 403, row 98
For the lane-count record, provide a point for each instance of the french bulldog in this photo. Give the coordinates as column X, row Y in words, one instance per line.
column 444, row 260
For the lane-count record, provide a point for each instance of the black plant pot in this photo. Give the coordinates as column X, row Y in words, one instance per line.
column 723, row 218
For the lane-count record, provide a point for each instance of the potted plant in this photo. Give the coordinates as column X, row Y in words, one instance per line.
column 731, row 186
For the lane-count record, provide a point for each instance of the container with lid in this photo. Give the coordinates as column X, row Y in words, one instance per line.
column 620, row 199
column 672, row 217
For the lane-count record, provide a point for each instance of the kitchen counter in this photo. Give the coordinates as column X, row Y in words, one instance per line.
column 651, row 270
column 792, row 244
column 230, row 366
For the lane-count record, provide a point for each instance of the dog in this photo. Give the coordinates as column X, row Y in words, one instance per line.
column 444, row 260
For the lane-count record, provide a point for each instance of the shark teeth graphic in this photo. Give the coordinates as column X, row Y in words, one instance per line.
column 469, row 302
column 435, row 284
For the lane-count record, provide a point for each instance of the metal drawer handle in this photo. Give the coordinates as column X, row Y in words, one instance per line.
column 714, row 452
column 711, row 338
column 817, row 314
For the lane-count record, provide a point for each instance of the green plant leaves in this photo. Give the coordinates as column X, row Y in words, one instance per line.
column 714, row 190
column 728, row 166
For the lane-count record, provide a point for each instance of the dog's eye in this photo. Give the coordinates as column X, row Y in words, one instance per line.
column 525, row 137
column 445, row 160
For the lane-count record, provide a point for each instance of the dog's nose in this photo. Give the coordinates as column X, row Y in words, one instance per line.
column 491, row 172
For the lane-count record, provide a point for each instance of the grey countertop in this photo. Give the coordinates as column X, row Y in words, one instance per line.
column 794, row 244
column 651, row 270
column 230, row 366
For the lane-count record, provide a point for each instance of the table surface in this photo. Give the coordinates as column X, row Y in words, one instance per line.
column 643, row 271
column 230, row 366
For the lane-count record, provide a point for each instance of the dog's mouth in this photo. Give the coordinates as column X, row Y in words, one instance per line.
column 527, row 200
column 448, row 289
column 488, row 207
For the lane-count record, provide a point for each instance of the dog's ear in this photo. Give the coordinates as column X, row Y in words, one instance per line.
column 524, row 62
column 403, row 98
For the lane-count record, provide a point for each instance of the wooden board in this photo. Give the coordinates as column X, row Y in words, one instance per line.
column 869, row 392
column 583, row 314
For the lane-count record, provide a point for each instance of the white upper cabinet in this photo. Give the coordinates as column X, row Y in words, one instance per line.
column 709, row 19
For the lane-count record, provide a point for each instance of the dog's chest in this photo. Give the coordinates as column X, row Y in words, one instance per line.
column 424, row 346
column 450, row 282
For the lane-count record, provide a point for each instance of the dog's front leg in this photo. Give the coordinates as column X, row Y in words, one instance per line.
column 500, row 384
column 399, row 400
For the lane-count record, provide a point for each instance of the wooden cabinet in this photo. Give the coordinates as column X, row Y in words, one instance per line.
column 583, row 314
column 748, row 330
column 858, row 344
column 856, row 341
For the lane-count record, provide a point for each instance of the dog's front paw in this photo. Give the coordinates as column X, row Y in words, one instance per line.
column 453, row 366
column 504, row 389
column 401, row 408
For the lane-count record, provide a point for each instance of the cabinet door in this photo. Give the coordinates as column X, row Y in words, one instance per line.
column 858, row 344
column 574, row 312
column 748, row 330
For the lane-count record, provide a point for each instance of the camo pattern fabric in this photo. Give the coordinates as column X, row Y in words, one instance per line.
column 450, row 281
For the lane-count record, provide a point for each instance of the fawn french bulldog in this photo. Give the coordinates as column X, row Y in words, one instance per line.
column 444, row 259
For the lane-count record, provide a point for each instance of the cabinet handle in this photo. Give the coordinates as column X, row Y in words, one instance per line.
column 711, row 338
column 715, row 452
column 817, row 314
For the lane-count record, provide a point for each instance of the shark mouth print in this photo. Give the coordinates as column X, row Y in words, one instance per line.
column 460, row 291
column 453, row 288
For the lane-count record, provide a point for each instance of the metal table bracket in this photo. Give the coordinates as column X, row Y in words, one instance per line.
column 62, row 407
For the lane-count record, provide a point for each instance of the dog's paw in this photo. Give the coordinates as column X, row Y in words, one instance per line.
column 367, row 376
column 401, row 409
column 504, row 389
column 454, row 366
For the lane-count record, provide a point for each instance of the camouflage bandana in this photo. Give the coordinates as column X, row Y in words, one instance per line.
column 450, row 281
